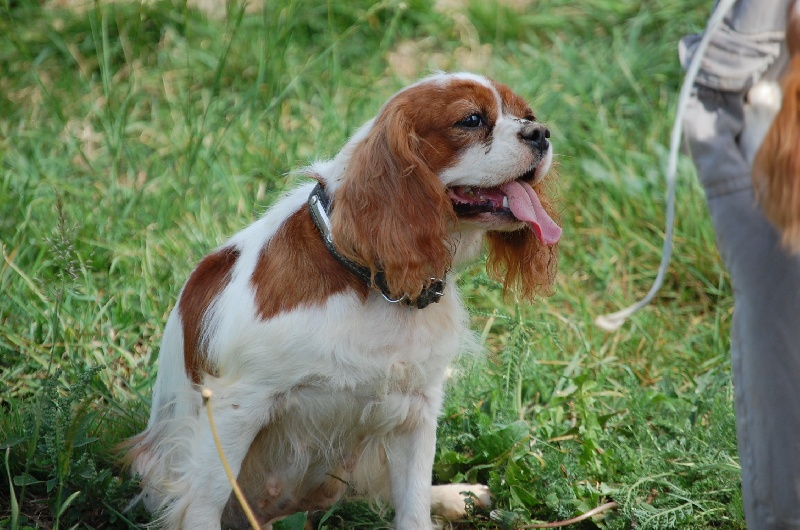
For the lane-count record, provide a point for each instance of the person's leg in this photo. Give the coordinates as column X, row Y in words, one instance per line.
column 765, row 350
column 765, row 331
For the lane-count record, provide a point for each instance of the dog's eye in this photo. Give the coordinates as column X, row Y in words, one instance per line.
column 472, row 121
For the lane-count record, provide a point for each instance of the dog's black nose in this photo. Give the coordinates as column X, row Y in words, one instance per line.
column 536, row 135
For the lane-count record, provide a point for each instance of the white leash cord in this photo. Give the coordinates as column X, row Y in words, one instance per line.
column 613, row 321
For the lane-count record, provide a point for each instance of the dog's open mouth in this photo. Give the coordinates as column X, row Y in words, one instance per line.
column 516, row 198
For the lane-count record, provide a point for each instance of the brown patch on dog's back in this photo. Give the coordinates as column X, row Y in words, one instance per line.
column 295, row 269
column 204, row 285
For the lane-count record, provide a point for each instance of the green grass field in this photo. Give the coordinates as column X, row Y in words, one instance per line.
column 135, row 138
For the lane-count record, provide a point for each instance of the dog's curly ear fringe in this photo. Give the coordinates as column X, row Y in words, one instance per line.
column 391, row 213
column 776, row 168
column 520, row 261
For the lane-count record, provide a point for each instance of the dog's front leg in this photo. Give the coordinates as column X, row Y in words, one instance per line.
column 410, row 451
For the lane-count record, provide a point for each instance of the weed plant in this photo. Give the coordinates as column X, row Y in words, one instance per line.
column 137, row 136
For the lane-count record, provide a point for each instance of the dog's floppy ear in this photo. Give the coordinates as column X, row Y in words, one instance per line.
column 776, row 168
column 391, row 209
column 520, row 261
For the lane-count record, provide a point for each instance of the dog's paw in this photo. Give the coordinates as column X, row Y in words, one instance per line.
column 449, row 501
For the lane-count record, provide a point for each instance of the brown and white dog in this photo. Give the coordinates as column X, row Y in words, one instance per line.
column 324, row 329
column 776, row 168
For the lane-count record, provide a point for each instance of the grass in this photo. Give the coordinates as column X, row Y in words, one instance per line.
column 135, row 137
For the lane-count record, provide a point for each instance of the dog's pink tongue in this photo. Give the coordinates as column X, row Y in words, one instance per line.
column 526, row 206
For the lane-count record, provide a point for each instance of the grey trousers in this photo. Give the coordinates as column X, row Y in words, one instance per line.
column 765, row 332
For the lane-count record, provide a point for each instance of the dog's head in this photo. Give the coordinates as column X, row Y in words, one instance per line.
column 450, row 154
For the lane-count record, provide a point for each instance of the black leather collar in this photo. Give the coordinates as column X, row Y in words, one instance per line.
column 320, row 208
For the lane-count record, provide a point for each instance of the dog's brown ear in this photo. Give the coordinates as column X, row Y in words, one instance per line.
column 776, row 168
column 391, row 210
column 793, row 28
column 520, row 261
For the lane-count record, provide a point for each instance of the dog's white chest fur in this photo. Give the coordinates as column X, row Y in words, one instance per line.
column 329, row 429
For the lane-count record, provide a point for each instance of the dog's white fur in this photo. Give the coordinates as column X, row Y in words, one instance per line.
column 342, row 394
column 762, row 104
